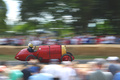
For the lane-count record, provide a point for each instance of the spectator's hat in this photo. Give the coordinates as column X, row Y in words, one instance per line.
column 112, row 58
column 102, row 60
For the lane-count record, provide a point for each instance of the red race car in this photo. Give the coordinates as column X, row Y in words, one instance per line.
column 45, row 53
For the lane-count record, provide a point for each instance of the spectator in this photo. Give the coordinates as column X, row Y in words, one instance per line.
column 112, row 67
column 53, row 68
column 3, row 69
column 67, row 72
column 15, row 75
column 39, row 76
column 117, row 74
column 26, row 73
column 99, row 73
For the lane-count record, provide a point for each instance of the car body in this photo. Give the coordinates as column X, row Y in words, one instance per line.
column 45, row 53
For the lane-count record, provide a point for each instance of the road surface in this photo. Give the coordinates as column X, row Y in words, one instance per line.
column 25, row 62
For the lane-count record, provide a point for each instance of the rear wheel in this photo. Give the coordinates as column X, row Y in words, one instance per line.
column 69, row 53
column 29, row 57
column 66, row 57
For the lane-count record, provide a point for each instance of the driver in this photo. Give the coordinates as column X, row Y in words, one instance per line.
column 30, row 47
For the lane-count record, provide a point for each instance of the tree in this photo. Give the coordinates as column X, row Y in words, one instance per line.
column 83, row 15
column 3, row 10
column 82, row 12
column 23, row 28
column 79, row 10
column 108, row 9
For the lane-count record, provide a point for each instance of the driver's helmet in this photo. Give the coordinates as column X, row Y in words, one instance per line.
column 30, row 45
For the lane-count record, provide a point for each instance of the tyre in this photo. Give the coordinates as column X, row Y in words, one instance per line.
column 69, row 53
column 40, row 59
column 66, row 57
column 30, row 57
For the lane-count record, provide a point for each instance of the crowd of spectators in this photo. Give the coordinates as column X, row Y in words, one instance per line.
column 97, row 69
column 76, row 40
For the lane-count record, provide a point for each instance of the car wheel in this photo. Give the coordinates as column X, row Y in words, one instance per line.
column 40, row 59
column 66, row 57
column 69, row 53
column 29, row 57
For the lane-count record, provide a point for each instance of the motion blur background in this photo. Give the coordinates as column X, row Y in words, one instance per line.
column 64, row 22
column 59, row 22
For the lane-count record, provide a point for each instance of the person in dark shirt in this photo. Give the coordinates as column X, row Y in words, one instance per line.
column 30, row 47
column 26, row 74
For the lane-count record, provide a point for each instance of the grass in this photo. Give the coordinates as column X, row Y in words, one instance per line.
column 88, row 57
column 7, row 57
column 11, row 57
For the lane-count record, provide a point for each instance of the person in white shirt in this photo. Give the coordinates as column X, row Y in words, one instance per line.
column 67, row 72
column 53, row 68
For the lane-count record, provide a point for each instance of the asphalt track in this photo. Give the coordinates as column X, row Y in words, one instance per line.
column 25, row 62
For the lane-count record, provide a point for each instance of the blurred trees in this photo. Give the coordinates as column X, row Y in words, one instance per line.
column 108, row 9
column 83, row 15
column 3, row 10
column 23, row 28
column 76, row 13
column 114, row 15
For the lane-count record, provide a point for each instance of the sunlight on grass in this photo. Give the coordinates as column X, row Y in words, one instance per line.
column 11, row 57
column 7, row 57
column 88, row 57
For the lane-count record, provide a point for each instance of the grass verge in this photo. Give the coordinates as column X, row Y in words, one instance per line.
column 88, row 57
column 11, row 57
column 7, row 57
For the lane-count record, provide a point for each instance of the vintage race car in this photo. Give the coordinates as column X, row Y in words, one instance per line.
column 45, row 53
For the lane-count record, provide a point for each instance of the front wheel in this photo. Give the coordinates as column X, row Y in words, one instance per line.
column 66, row 57
column 29, row 57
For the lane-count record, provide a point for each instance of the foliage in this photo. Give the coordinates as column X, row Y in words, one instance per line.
column 82, row 12
column 3, row 10
column 58, row 26
column 25, row 27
